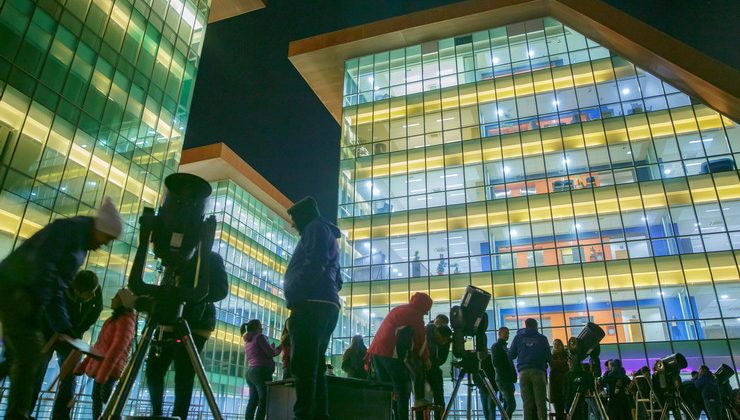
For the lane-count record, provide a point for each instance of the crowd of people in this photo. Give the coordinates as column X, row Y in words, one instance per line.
column 46, row 303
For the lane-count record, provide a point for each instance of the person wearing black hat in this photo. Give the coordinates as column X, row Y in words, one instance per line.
column 312, row 284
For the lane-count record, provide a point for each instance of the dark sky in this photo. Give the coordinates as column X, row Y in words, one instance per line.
column 249, row 96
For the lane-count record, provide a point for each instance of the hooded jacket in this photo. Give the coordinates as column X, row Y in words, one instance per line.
column 114, row 341
column 46, row 263
column 259, row 352
column 617, row 383
column 438, row 353
column 313, row 270
column 707, row 386
column 531, row 350
column 409, row 315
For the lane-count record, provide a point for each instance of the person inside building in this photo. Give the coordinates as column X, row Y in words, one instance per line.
column 312, row 284
column 439, row 337
column 114, row 342
column 33, row 280
column 200, row 314
column 260, row 367
column 558, row 373
column 505, row 371
column 390, row 349
column 84, row 302
column 353, row 359
column 532, row 351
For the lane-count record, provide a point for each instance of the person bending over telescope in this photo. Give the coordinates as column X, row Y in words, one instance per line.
column 84, row 302
column 33, row 280
column 401, row 336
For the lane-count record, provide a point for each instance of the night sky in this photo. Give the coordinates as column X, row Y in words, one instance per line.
column 249, row 96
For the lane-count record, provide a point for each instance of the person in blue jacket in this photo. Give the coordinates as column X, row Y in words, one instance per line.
column 312, row 284
column 532, row 351
column 33, row 281
column 706, row 383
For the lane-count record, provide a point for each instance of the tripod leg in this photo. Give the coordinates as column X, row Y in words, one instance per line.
column 468, row 407
column 574, row 405
column 187, row 336
column 454, row 395
column 664, row 411
column 685, row 407
column 483, row 378
column 600, row 406
column 117, row 400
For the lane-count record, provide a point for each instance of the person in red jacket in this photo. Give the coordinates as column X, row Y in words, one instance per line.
column 114, row 341
column 389, row 349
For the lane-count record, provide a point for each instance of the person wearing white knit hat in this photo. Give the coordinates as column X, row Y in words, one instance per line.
column 108, row 224
column 33, row 281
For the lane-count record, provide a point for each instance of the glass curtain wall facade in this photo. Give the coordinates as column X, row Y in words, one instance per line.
column 536, row 164
column 256, row 245
column 94, row 100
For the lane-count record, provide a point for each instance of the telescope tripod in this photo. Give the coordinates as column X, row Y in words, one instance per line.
column 118, row 399
column 675, row 404
column 582, row 389
column 470, row 367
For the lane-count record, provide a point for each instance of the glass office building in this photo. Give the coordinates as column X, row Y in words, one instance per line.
column 532, row 162
column 94, row 100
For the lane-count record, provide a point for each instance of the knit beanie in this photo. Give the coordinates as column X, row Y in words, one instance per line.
column 108, row 220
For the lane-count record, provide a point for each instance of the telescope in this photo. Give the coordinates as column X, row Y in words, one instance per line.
column 587, row 343
column 177, row 226
column 723, row 374
column 469, row 319
column 179, row 234
column 668, row 370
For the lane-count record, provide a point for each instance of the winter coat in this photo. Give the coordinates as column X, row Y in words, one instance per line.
column 531, row 349
column 558, row 373
column 201, row 315
column 707, row 386
column 438, row 353
column 353, row 363
column 259, row 351
column 46, row 263
column 313, row 270
column 82, row 315
column 114, row 341
column 409, row 315
column 504, row 367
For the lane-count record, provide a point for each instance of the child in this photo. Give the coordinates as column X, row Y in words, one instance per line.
column 114, row 341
